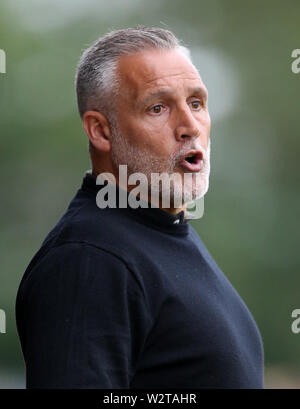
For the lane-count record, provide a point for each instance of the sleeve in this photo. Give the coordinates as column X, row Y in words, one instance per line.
column 84, row 320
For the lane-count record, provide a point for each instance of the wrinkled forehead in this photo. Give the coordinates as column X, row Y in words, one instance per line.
column 156, row 68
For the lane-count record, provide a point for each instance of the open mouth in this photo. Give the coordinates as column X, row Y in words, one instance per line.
column 193, row 161
column 191, row 158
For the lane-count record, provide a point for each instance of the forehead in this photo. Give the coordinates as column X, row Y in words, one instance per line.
column 148, row 70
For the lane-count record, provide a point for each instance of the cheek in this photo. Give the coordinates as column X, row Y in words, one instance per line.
column 154, row 137
column 206, row 124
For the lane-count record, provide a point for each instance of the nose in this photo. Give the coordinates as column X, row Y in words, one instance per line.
column 187, row 125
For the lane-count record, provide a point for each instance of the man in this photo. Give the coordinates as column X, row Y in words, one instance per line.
column 129, row 297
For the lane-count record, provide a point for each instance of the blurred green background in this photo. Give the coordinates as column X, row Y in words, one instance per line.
column 250, row 225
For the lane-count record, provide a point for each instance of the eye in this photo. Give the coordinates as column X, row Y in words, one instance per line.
column 156, row 109
column 197, row 105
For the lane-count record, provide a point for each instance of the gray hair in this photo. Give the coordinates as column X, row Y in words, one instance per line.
column 96, row 79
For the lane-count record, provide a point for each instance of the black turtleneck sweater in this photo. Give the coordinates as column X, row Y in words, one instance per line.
column 126, row 298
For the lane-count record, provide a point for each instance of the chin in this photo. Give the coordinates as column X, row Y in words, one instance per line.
column 197, row 190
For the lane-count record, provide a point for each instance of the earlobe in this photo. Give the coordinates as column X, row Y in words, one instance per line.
column 97, row 129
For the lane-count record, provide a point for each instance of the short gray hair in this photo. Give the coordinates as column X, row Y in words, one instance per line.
column 96, row 80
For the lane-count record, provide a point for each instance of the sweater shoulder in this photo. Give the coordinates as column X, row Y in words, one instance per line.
column 84, row 223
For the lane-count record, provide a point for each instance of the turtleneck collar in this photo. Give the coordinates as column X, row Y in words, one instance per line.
column 156, row 217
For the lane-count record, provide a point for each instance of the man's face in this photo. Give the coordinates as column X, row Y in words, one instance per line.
column 162, row 116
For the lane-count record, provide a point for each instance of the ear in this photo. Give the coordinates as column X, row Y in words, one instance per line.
column 97, row 128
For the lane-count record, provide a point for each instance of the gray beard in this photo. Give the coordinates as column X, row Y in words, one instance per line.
column 142, row 160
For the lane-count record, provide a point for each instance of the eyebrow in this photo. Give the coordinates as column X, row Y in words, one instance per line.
column 162, row 93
